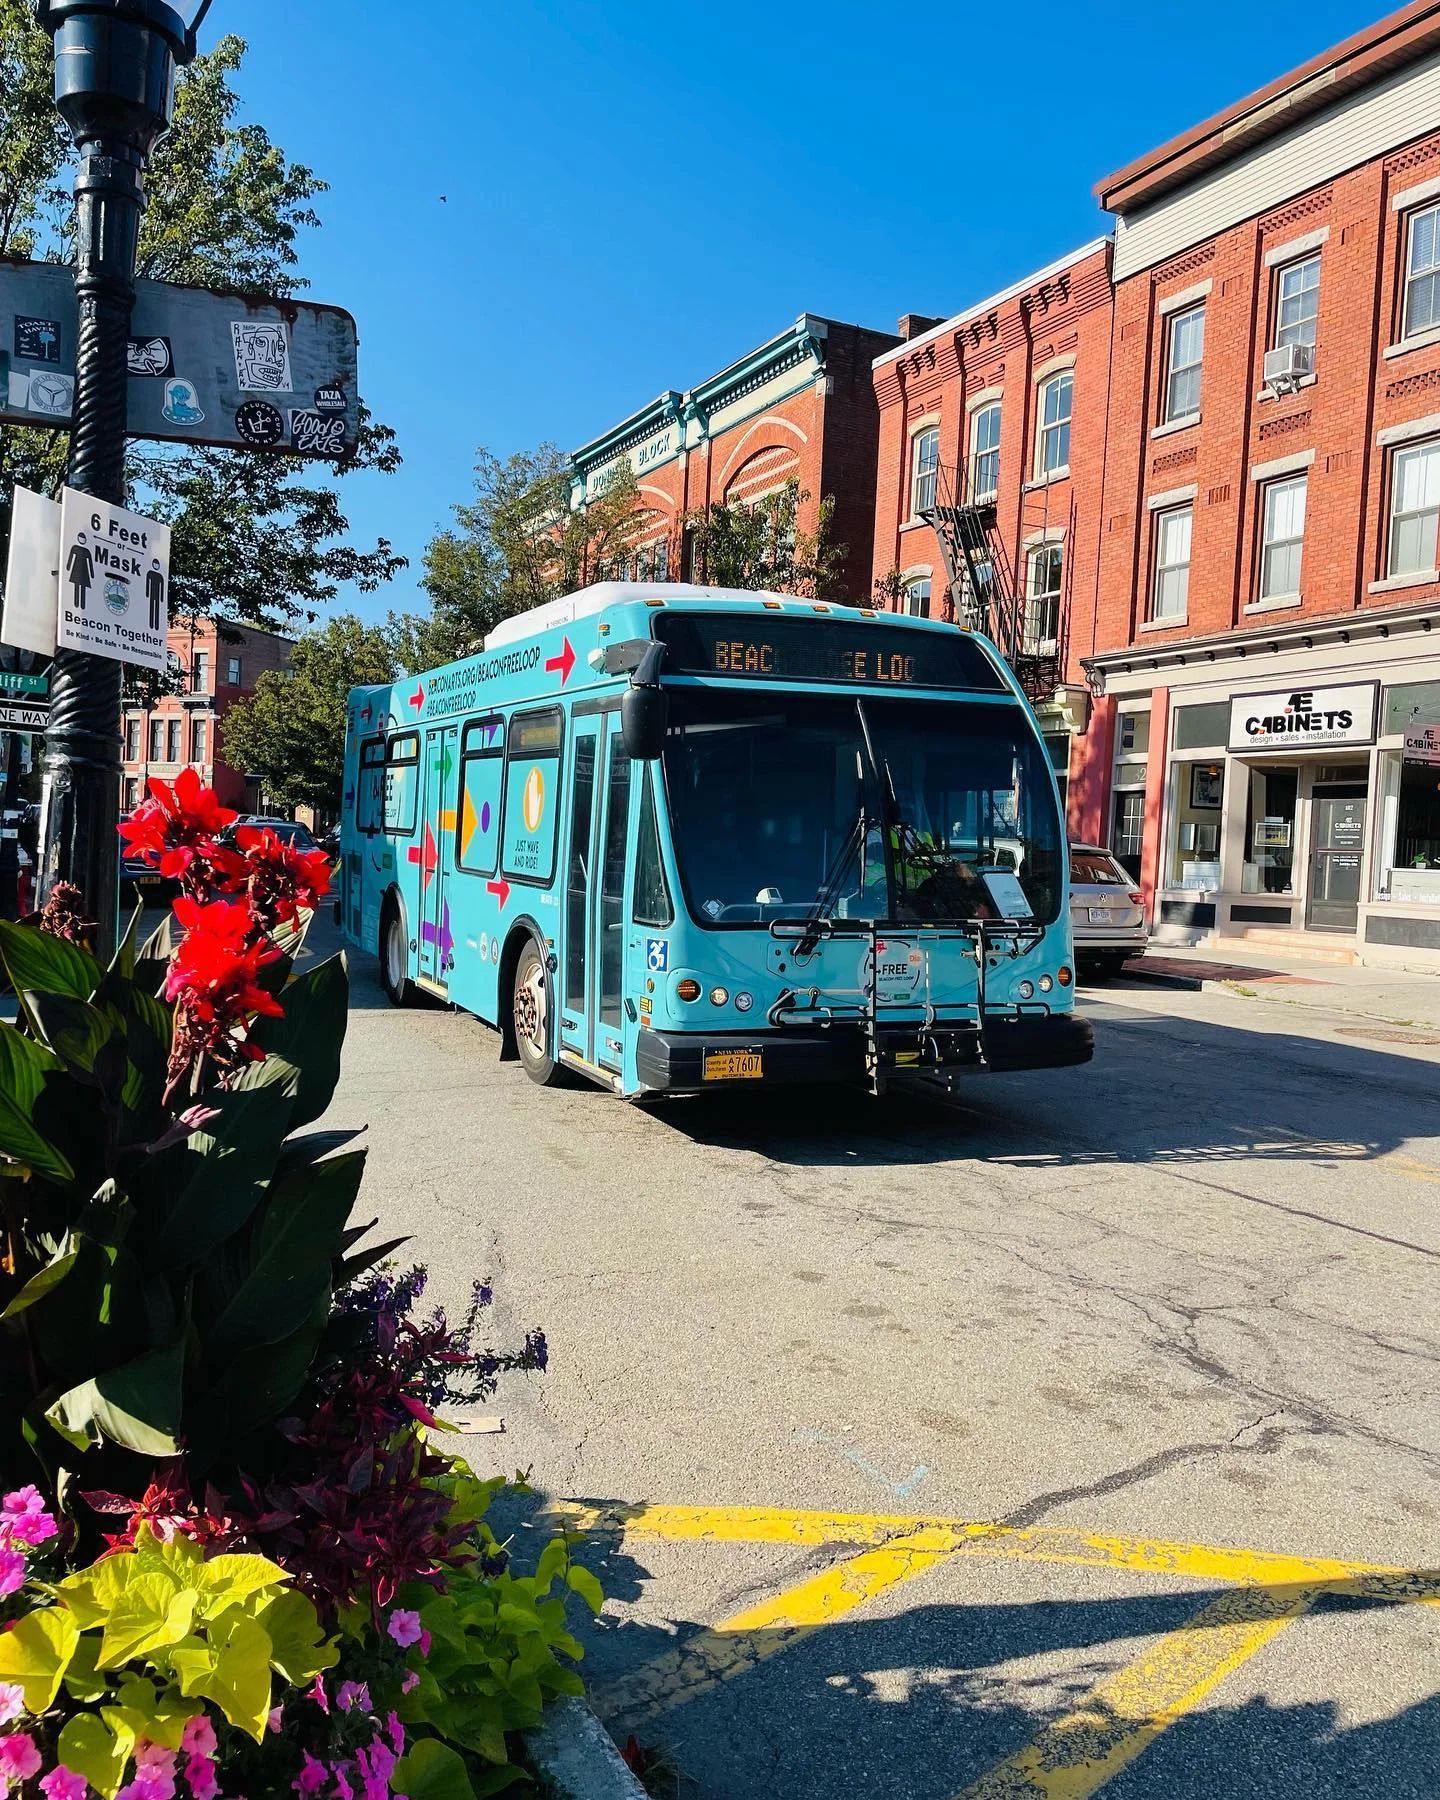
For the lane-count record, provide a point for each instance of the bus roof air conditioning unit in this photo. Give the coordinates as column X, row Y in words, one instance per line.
column 1286, row 366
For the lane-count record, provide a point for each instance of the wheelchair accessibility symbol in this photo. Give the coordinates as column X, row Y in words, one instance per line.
column 657, row 955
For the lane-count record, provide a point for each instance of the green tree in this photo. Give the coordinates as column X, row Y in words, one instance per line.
column 257, row 537
column 291, row 730
column 516, row 544
column 762, row 546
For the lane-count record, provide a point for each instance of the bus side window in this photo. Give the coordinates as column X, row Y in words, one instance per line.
column 481, row 766
column 402, row 781
column 369, row 804
column 652, row 904
column 532, row 791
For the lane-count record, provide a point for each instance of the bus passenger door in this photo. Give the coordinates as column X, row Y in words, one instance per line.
column 574, row 975
column 435, row 849
column 607, row 963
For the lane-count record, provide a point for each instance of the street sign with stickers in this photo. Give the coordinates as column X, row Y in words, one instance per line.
column 205, row 367
column 114, row 581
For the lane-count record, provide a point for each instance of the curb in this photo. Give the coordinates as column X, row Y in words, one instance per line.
column 1189, row 984
column 575, row 1757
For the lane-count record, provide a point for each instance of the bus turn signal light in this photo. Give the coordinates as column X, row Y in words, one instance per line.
column 687, row 989
column 1063, row 976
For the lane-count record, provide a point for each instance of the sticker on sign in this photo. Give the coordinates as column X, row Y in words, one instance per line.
column 114, row 581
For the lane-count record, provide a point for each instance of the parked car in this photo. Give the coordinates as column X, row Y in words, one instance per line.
column 1107, row 910
column 289, row 831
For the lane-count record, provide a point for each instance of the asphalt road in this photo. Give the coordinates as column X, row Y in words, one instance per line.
column 1170, row 1321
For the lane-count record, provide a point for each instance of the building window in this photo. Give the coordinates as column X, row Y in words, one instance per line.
column 1269, row 866
column 1057, row 399
column 1042, row 599
column 985, row 453
column 1134, row 734
column 157, row 740
column 1297, row 302
column 1282, row 538
column 1127, row 839
column 1422, row 271
column 172, row 732
column 662, row 560
column 1184, row 354
column 132, row 792
column 232, row 671
column 924, row 464
column 1170, row 593
column 132, row 738
column 199, row 731
column 200, row 673
column 1414, row 509
column 915, row 598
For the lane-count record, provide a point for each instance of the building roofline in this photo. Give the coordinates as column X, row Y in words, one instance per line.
column 981, row 307
column 1399, row 38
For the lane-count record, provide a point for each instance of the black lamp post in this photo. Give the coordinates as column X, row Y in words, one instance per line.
column 115, row 64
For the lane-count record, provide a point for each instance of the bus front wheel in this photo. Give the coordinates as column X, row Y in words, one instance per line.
column 531, row 1013
column 395, row 958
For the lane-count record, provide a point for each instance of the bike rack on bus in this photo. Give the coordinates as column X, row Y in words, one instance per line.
column 884, row 1027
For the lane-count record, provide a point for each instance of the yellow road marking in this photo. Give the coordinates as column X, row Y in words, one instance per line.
column 738, row 1643
column 1076, row 1754
column 940, row 1537
column 1409, row 1166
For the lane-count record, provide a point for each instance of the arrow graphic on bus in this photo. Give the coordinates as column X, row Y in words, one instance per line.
column 500, row 889
column 417, row 699
column 439, row 935
column 424, row 854
column 564, row 662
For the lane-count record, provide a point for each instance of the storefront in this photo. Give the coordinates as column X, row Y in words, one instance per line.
column 1269, row 786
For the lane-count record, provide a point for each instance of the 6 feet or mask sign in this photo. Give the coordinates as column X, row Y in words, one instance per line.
column 114, row 581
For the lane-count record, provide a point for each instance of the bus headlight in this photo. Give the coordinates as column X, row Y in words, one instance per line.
column 719, row 996
column 1046, row 984
column 1026, row 990
column 744, row 1001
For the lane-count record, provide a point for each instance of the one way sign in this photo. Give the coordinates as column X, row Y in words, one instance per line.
column 24, row 715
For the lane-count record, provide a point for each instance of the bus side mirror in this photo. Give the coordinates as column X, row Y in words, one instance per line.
column 645, row 708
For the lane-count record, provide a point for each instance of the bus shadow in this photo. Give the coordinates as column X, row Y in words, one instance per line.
column 1210, row 1094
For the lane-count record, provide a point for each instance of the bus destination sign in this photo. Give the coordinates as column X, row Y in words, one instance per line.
column 828, row 649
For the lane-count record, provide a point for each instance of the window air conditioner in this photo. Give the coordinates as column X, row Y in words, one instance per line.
column 1285, row 365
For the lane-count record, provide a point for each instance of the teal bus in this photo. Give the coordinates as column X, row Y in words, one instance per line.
column 672, row 838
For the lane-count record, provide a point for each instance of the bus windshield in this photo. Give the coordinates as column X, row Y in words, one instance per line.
column 858, row 807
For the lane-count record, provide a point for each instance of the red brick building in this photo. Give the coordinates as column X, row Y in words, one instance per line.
column 992, row 457
column 1264, row 651
column 801, row 407
column 214, row 666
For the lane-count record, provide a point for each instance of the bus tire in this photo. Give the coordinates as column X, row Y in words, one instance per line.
column 394, row 951
column 531, row 1015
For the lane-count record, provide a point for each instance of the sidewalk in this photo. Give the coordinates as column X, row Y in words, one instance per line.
column 1398, row 997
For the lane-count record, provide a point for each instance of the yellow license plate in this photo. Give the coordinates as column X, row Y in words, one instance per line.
column 733, row 1065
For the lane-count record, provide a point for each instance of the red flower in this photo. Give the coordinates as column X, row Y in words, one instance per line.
column 214, row 979
column 280, row 880
column 176, row 824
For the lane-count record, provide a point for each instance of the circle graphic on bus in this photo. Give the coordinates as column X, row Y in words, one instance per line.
column 484, row 815
column 532, row 801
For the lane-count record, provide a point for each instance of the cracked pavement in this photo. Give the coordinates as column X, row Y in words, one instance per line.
column 1185, row 1293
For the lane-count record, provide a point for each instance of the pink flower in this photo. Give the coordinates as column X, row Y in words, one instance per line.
column 424, row 1643
column 12, row 1571
column 64, row 1784
column 410, row 1683
column 352, row 1694
column 23, row 1517
column 312, row 1776
column 277, row 1718
column 19, row 1759
column 404, row 1627
column 343, row 1789
column 396, row 1733
column 317, row 1693
column 12, row 1701
column 198, row 1737
column 147, row 1787
column 200, row 1774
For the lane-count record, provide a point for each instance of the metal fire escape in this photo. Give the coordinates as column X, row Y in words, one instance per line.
column 1030, row 629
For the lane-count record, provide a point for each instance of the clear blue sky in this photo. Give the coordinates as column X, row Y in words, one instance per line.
column 638, row 192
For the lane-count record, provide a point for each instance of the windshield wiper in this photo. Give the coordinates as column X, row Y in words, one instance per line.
column 819, row 913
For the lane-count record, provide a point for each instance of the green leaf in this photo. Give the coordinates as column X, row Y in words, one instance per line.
column 302, row 1152
column 308, row 1039
column 296, row 1240
column 553, row 1559
column 36, row 960
column 152, row 1614
column 25, row 1070
column 136, row 1405
column 90, row 1747
column 299, row 1649
column 432, row 1771
column 583, row 1583
column 234, row 1576
column 40, row 1284
column 351, row 1266
column 92, row 1594
column 76, row 1031
column 258, row 1385
column 122, row 963
column 83, row 1681
column 239, row 1682
column 36, row 1651
column 207, row 1188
